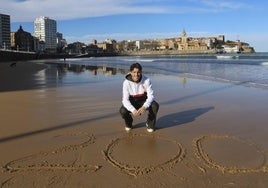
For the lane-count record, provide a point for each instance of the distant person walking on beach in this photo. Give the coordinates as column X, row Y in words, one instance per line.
column 138, row 96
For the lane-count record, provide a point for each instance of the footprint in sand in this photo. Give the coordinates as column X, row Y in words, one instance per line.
column 49, row 160
column 230, row 154
column 139, row 154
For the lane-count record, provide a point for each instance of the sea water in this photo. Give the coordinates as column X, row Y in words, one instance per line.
column 250, row 70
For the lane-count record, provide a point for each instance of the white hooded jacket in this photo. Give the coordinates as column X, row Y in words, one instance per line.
column 137, row 89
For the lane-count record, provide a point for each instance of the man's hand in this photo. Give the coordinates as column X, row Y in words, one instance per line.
column 140, row 111
column 135, row 113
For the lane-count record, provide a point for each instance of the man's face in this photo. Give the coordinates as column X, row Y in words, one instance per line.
column 135, row 74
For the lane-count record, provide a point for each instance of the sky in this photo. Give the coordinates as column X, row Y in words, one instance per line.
column 85, row 20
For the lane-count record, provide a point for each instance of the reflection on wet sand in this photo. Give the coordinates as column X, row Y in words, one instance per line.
column 58, row 75
column 93, row 69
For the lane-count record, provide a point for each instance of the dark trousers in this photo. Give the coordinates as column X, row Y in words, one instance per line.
column 152, row 112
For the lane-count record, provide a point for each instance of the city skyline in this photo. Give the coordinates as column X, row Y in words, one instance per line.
column 147, row 19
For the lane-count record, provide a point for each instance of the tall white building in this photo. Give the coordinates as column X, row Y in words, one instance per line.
column 45, row 30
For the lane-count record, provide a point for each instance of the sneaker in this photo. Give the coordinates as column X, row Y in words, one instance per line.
column 127, row 129
column 150, row 130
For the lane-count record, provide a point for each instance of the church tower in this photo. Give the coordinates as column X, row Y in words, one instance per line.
column 184, row 37
column 183, row 45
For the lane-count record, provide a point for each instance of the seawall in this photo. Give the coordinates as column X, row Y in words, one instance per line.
column 6, row 55
column 166, row 52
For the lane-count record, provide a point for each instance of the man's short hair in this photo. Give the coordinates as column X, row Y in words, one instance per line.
column 135, row 65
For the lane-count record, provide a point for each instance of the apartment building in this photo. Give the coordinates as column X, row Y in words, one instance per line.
column 45, row 29
column 5, row 31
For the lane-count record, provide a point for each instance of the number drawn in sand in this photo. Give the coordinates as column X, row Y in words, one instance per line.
column 49, row 160
column 230, row 154
column 139, row 154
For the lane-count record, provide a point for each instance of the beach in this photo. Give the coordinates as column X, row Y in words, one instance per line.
column 63, row 131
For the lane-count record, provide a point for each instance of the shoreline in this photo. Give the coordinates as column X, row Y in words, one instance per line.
column 14, row 56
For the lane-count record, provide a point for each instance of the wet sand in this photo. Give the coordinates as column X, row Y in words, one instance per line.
column 209, row 134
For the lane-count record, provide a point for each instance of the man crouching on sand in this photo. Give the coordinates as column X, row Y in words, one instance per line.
column 138, row 96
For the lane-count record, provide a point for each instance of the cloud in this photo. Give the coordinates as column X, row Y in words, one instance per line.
column 223, row 4
column 28, row 10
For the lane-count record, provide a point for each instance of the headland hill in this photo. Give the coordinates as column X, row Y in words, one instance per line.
column 170, row 46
